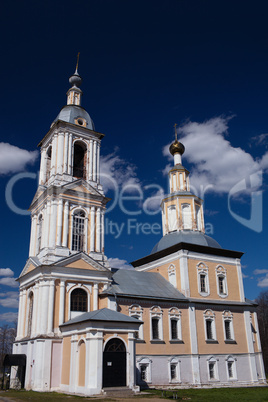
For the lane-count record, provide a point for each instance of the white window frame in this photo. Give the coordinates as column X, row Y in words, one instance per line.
column 221, row 272
column 209, row 315
column 145, row 361
column 73, row 212
column 175, row 314
column 87, row 289
column 202, row 269
column 156, row 312
column 174, row 361
column 172, row 275
column 136, row 311
column 172, row 218
column 228, row 316
column 214, row 361
column 231, row 359
column 187, row 219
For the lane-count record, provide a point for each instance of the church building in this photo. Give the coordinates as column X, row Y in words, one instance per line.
column 179, row 318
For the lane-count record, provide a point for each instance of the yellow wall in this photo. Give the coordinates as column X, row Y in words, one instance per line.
column 66, row 357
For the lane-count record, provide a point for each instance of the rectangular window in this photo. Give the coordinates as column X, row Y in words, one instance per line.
column 174, row 329
column 211, row 368
column 209, row 329
column 228, row 333
column 173, row 371
column 203, row 283
column 221, row 285
column 230, row 369
column 143, row 369
column 155, row 328
column 78, row 233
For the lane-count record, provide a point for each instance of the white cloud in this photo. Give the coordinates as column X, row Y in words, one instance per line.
column 9, row 282
column 216, row 162
column 116, row 172
column 152, row 204
column 14, row 159
column 261, row 139
column 120, row 264
column 263, row 282
column 260, row 271
column 9, row 299
column 9, row 317
column 6, row 272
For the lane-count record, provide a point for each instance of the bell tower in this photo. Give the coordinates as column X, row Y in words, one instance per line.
column 67, row 212
column 181, row 210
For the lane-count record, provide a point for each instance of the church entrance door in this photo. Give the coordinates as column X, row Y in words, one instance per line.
column 114, row 364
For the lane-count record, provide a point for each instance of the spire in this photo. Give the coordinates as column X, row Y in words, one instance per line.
column 74, row 93
column 176, row 148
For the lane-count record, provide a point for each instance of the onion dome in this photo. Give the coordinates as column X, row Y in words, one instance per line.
column 176, row 148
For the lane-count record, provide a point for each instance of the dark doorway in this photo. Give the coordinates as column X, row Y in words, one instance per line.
column 80, row 158
column 20, row 362
column 114, row 364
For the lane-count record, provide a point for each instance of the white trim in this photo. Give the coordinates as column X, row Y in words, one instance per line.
column 210, row 315
column 175, row 314
column 156, row 312
column 221, row 273
column 213, row 360
column 145, row 361
column 174, row 360
column 228, row 316
column 202, row 269
column 231, row 359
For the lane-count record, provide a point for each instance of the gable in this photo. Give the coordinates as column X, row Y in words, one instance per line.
column 82, row 264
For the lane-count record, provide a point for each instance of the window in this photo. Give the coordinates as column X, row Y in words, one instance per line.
column 198, row 217
column 30, row 314
column 212, row 369
column 210, row 328
column 228, row 326
column 155, row 328
column 174, row 324
column 136, row 311
column 79, row 300
column 231, row 368
column 48, row 162
column 172, row 218
column 221, row 281
column 156, row 323
column 202, row 278
column 172, row 275
column 174, row 369
column 80, row 159
column 39, row 234
column 144, row 365
column 186, row 216
column 78, row 233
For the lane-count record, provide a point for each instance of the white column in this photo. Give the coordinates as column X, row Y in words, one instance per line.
column 90, row 160
column 19, row 335
column 251, row 356
column 70, row 148
column 92, row 229
column 102, row 231
column 98, row 231
column 240, row 280
column 53, row 224
column 94, row 160
column 35, row 309
column 42, row 173
column 40, row 301
column 86, row 235
column 95, row 296
column 94, row 379
column 73, row 364
column 50, row 328
column 131, row 366
column 65, row 224
column 43, row 310
column 194, row 345
column 185, row 286
column 23, row 312
column 60, row 153
column 33, row 235
column 47, row 221
column 62, row 302
column 65, row 157
column 98, row 162
column 54, row 155
column 59, row 222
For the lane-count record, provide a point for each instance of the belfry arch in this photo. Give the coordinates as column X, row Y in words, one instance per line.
column 80, row 160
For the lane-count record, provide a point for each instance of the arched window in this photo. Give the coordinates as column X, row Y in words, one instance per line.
column 78, row 234
column 136, row 311
column 186, row 216
column 231, row 368
column 79, row 300
column 80, row 159
column 174, row 324
column 202, row 279
column 221, row 281
column 198, row 217
column 174, row 370
column 39, row 233
column 145, row 369
column 30, row 314
column 227, row 317
column 48, row 162
column 172, row 218
column 210, row 327
column 212, row 369
column 156, row 314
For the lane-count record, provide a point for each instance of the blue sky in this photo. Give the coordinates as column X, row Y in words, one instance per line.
column 145, row 66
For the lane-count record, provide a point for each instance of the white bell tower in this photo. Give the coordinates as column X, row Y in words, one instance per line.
column 67, row 211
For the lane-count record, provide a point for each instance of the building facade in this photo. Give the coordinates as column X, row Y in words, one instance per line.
column 179, row 318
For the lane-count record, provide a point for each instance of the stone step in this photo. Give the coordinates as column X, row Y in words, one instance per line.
column 118, row 392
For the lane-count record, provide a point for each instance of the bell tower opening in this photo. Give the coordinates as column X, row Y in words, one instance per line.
column 80, row 157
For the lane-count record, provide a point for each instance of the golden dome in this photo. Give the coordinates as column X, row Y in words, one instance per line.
column 176, row 147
